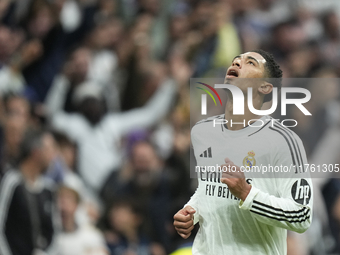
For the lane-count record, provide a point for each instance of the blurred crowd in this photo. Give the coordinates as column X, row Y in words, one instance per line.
column 95, row 116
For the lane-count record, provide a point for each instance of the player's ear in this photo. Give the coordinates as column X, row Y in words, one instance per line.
column 266, row 88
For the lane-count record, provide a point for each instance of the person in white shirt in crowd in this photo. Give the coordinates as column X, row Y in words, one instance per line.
column 76, row 237
column 98, row 133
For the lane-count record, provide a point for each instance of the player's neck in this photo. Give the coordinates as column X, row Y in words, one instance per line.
column 237, row 122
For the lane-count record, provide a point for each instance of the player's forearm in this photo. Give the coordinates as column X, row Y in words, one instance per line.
column 279, row 212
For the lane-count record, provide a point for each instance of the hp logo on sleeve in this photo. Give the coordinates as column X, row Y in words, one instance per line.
column 301, row 192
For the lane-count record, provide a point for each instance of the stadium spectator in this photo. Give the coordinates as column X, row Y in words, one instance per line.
column 98, row 150
column 82, row 237
column 17, row 118
column 124, row 236
column 28, row 215
column 150, row 186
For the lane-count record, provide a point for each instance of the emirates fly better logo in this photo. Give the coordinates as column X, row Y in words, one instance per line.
column 238, row 102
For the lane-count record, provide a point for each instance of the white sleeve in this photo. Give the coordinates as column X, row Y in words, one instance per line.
column 155, row 109
column 193, row 202
column 7, row 188
column 11, row 81
column 70, row 124
column 292, row 208
column 73, row 125
column 56, row 96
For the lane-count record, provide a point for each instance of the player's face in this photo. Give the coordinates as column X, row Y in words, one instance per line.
column 248, row 65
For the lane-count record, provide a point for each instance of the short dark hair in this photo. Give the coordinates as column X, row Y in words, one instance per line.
column 273, row 71
column 31, row 141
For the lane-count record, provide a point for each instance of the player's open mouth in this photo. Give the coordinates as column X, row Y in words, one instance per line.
column 232, row 73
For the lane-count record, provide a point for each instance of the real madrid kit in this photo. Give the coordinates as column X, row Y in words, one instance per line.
column 277, row 201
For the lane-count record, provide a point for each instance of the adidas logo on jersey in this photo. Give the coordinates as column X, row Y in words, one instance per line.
column 207, row 153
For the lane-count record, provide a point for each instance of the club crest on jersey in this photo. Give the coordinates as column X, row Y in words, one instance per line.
column 249, row 160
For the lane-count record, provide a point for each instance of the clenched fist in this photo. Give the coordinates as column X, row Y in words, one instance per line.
column 184, row 221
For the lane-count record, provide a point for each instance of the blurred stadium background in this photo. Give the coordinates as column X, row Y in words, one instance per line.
column 110, row 80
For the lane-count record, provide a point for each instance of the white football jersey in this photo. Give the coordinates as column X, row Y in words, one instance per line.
column 277, row 201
